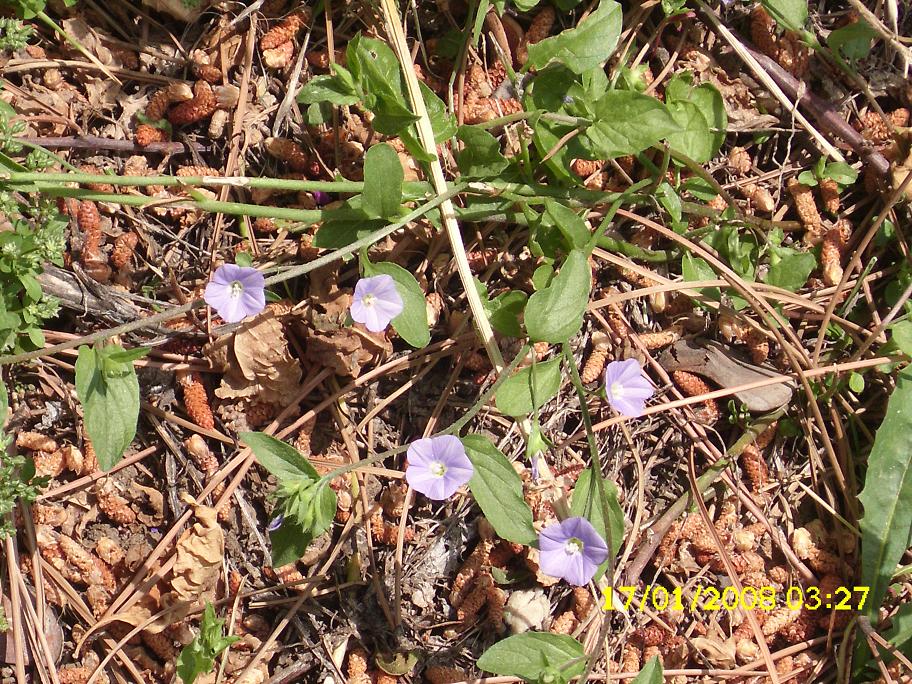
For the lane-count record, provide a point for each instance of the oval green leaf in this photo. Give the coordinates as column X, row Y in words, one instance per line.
column 529, row 389
column 498, row 491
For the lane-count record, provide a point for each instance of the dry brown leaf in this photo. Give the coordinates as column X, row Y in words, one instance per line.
column 199, row 555
column 149, row 604
column 720, row 654
column 102, row 92
column 258, row 362
column 331, row 343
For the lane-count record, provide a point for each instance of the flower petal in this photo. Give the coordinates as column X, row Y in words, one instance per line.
column 629, row 408
column 432, row 486
column 552, row 537
column 421, row 451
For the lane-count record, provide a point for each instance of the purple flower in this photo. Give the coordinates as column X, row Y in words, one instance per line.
column 275, row 523
column 627, row 388
column 376, row 302
column 571, row 550
column 438, row 466
column 236, row 292
column 321, row 198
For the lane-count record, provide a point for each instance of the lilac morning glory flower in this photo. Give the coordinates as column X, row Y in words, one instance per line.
column 438, row 466
column 275, row 523
column 236, row 292
column 376, row 302
column 571, row 550
column 627, row 388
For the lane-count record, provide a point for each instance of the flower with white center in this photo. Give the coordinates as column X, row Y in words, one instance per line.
column 627, row 388
column 438, row 466
column 236, row 292
column 376, row 302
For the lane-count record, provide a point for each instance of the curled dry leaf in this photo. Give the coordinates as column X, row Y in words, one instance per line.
column 344, row 349
column 199, row 558
column 259, row 364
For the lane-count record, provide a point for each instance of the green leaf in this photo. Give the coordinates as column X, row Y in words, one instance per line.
column 282, row 460
column 586, row 45
column 498, row 491
column 887, row 496
column 651, row 673
column 288, row 543
column 585, row 504
column 694, row 268
column 109, row 392
column 383, row 176
column 397, row 663
column 198, row 657
column 808, row 178
column 529, row 655
column 856, row 382
column 789, row 268
column 853, row 40
column 700, row 111
column 341, row 232
column 412, row 323
column 555, row 313
column 442, row 122
column 900, row 632
column 567, row 222
column 628, row 123
column 902, row 336
column 670, row 200
column 374, row 65
column 529, row 388
column 790, row 14
column 332, row 89
column 841, row 172
column 505, row 310
column 481, row 157
column 694, row 138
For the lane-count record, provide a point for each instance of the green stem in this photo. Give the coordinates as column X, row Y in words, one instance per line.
column 199, row 303
column 634, row 252
column 597, row 475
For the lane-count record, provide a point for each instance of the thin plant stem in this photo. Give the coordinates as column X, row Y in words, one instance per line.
column 199, row 303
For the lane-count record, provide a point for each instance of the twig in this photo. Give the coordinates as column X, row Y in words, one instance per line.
column 825, row 114
column 766, row 79
column 94, row 142
column 426, row 135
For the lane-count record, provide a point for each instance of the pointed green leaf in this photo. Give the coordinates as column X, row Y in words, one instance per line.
column 886, row 527
column 109, row 392
column 498, row 491
column 530, row 654
column 555, row 313
column 628, row 123
column 280, row 459
column 585, row 46
column 651, row 673
column 529, row 389
column 383, row 176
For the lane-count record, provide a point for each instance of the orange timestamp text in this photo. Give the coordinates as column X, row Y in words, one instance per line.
column 660, row 598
